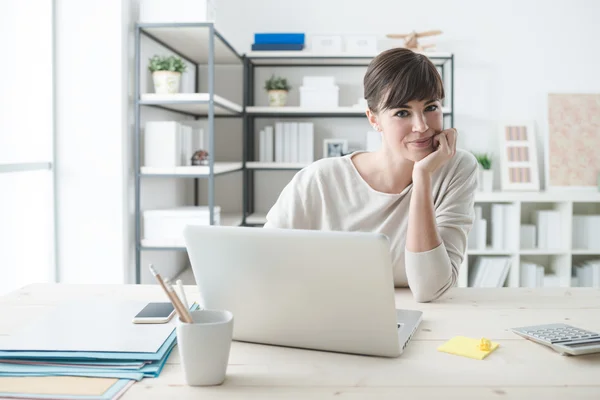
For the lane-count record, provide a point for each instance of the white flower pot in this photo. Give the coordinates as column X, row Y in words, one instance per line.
column 277, row 98
column 486, row 180
column 166, row 82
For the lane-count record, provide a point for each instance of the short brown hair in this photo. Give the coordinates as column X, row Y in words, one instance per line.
column 399, row 75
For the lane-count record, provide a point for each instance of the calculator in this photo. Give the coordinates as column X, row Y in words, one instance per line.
column 563, row 338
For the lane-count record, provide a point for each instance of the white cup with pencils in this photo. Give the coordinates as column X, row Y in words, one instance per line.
column 203, row 339
column 204, row 346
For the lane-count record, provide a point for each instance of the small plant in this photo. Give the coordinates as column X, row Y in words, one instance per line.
column 166, row 63
column 277, row 83
column 484, row 159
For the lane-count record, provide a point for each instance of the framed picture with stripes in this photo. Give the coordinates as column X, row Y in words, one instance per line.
column 518, row 157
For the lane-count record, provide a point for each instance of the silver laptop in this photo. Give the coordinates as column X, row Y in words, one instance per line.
column 321, row 290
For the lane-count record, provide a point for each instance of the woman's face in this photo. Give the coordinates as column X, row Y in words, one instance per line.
column 408, row 130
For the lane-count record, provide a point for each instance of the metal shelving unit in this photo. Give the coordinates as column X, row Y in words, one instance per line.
column 198, row 44
column 266, row 59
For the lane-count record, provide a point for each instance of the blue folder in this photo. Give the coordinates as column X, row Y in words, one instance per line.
column 279, row 38
column 107, row 360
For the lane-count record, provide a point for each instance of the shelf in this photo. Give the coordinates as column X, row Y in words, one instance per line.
column 256, row 219
column 543, row 252
column 489, row 252
column 196, row 104
column 275, row 165
column 310, row 58
column 537, row 197
column 294, row 111
column 191, row 171
column 227, row 219
column 586, row 252
column 191, row 41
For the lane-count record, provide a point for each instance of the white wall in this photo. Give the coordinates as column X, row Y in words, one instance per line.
column 93, row 152
column 509, row 54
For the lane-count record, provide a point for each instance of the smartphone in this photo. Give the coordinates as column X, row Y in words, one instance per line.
column 155, row 313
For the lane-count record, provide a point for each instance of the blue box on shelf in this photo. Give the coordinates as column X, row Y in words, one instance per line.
column 279, row 38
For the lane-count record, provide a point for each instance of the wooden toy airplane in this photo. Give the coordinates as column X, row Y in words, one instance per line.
column 411, row 39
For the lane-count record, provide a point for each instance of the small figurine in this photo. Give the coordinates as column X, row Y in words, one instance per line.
column 410, row 39
column 485, row 344
column 200, row 157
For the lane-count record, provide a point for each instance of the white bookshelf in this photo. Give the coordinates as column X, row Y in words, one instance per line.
column 558, row 261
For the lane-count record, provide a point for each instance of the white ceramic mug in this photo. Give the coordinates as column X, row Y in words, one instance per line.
column 204, row 346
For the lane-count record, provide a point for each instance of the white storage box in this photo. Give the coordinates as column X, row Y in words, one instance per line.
column 325, row 97
column 326, row 44
column 168, row 224
column 173, row 11
column 361, row 44
column 318, row 81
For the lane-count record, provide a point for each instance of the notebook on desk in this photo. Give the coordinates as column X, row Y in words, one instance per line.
column 91, row 326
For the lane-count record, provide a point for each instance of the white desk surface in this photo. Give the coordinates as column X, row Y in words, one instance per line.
column 518, row 369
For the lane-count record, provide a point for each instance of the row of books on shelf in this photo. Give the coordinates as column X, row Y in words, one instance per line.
column 544, row 233
column 534, row 275
column 170, row 143
column 291, row 142
column 587, row 274
column 586, row 232
column 488, row 272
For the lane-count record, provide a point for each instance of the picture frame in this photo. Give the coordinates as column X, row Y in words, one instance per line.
column 334, row 147
column 572, row 160
column 519, row 168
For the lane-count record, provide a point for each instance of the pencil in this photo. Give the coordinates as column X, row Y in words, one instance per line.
column 184, row 315
column 184, row 310
column 183, row 297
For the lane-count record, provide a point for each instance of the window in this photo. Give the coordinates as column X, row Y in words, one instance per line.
column 26, row 144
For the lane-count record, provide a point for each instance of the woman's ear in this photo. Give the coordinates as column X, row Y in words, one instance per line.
column 373, row 120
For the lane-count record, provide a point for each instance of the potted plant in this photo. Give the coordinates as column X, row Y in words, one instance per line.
column 166, row 73
column 485, row 176
column 277, row 88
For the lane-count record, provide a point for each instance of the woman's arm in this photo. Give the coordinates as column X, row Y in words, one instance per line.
column 437, row 234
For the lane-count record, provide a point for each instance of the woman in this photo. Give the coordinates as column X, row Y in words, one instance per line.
column 417, row 189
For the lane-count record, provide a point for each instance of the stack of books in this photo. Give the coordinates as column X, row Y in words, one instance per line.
column 489, row 272
column 505, row 218
column 278, row 42
column 85, row 350
column 289, row 142
column 586, row 232
column 478, row 234
column 588, row 274
column 549, row 229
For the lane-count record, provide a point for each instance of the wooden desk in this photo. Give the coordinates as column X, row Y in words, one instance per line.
column 518, row 369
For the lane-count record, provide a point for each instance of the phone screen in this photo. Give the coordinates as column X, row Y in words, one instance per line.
column 156, row 310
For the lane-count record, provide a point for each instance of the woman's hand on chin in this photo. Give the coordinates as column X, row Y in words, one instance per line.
column 440, row 156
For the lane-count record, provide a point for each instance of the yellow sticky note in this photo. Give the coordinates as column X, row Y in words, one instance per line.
column 468, row 347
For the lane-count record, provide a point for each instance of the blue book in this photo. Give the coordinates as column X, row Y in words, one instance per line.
column 276, row 47
column 279, row 38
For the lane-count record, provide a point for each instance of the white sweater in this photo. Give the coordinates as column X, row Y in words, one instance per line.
column 330, row 194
